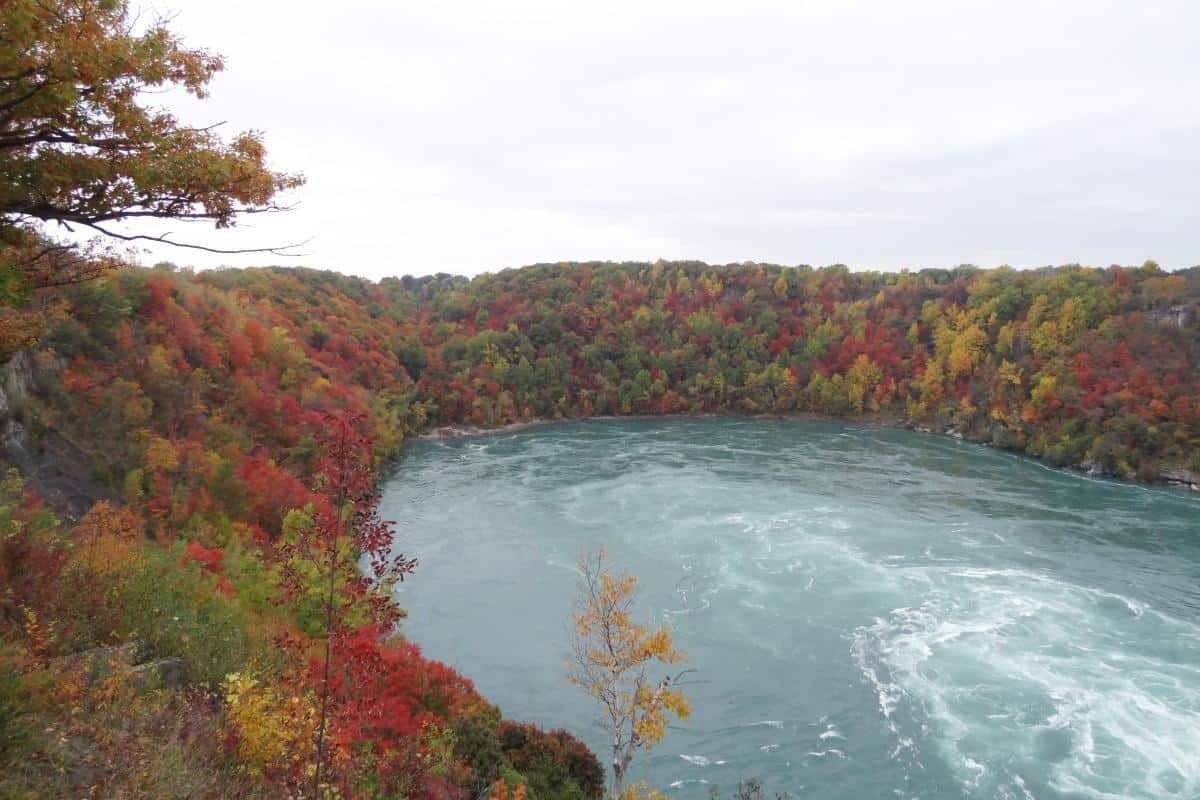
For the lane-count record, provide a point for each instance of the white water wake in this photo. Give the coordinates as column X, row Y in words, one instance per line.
column 1026, row 681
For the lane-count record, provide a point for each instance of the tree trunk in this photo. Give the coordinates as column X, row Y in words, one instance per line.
column 618, row 782
column 620, row 766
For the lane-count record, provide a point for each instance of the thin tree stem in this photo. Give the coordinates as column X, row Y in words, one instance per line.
column 341, row 499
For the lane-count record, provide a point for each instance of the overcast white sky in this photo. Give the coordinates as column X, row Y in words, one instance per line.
column 470, row 137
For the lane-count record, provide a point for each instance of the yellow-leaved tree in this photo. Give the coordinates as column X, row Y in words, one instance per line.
column 621, row 663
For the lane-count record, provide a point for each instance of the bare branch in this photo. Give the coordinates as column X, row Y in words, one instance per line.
column 164, row 239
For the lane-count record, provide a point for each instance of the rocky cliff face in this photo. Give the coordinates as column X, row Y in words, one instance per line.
column 51, row 465
column 16, row 383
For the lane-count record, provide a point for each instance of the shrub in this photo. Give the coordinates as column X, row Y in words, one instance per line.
column 555, row 763
column 272, row 728
column 13, row 730
column 476, row 746
column 181, row 611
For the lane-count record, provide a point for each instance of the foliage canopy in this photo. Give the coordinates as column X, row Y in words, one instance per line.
column 81, row 148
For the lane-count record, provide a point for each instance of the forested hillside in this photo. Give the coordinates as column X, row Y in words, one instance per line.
column 1084, row 367
column 200, row 408
column 1080, row 366
column 169, row 642
column 222, row 376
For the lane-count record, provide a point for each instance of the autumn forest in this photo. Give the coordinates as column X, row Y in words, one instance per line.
column 196, row 590
column 201, row 404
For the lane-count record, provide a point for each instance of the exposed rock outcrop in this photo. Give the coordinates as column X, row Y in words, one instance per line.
column 51, row 465
column 1182, row 477
column 162, row 673
column 133, row 659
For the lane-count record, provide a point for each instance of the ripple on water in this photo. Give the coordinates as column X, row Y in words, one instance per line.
column 1026, row 681
column 977, row 626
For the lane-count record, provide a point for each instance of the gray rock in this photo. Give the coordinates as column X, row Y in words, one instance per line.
column 1004, row 437
column 133, row 657
column 1181, row 477
column 51, row 465
column 17, row 376
column 100, row 661
column 165, row 673
column 55, row 468
column 18, row 448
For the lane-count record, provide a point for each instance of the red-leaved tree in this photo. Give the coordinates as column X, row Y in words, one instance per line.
column 344, row 557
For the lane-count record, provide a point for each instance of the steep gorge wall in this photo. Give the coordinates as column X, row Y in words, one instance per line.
column 51, row 465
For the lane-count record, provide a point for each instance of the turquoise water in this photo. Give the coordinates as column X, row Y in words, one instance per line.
column 873, row 613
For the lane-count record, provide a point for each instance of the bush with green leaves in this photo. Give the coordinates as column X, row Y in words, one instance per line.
column 14, row 731
column 554, row 763
column 178, row 611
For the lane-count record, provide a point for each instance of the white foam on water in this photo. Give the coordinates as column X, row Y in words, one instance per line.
column 550, row 562
column 830, row 752
column 1018, row 682
column 1021, row 785
column 888, row 693
column 699, row 761
column 684, row 782
column 979, row 769
column 705, row 604
column 832, row 733
column 1066, row 683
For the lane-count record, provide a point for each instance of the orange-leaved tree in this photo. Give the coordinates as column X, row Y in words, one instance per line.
column 619, row 662
column 80, row 149
column 500, row 791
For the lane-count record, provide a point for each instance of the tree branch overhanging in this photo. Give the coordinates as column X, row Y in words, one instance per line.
column 77, row 147
column 164, row 239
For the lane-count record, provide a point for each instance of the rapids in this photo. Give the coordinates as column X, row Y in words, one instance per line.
column 873, row 613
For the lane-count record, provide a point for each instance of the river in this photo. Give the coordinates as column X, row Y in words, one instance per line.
column 873, row 613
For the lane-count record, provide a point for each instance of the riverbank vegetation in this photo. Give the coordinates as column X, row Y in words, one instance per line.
column 230, row 633
column 198, row 406
column 1079, row 366
column 207, row 663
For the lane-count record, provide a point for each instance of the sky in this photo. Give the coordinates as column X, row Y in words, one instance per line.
column 472, row 137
